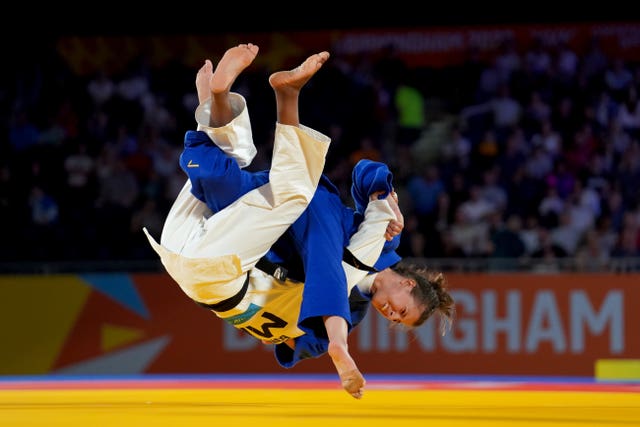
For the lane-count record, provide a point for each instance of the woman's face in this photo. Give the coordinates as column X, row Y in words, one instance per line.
column 391, row 296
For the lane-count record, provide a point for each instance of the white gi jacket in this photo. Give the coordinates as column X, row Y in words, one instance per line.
column 209, row 256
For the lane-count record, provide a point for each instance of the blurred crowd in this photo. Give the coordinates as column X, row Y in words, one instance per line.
column 530, row 153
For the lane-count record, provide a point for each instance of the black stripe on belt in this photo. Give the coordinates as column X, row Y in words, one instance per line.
column 273, row 269
column 350, row 258
column 280, row 273
column 229, row 303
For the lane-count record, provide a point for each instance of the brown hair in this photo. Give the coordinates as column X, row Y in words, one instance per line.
column 431, row 292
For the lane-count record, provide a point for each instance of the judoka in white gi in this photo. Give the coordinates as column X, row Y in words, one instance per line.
column 226, row 220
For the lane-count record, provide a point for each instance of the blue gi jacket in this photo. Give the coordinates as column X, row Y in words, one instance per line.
column 313, row 246
column 318, row 238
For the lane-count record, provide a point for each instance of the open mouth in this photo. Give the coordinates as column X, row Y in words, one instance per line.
column 385, row 308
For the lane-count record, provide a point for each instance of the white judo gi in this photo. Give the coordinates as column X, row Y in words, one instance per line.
column 212, row 257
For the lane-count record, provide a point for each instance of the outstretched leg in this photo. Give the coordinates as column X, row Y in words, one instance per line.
column 217, row 84
column 287, row 86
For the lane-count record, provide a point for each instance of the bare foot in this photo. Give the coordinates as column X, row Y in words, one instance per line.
column 293, row 80
column 231, row 65
column 202, row 81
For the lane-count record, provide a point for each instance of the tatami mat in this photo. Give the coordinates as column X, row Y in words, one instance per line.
column 243, row 402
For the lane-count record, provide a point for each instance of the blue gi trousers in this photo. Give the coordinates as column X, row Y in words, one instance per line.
column 313, row 246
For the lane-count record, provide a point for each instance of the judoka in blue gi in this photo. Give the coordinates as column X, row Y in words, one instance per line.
column 231, row 231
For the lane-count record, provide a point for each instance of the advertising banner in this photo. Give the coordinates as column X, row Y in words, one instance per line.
column 505, row 324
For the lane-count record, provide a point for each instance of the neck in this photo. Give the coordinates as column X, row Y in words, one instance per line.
column 367, row 284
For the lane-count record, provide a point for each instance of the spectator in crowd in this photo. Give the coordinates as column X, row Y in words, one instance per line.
column 521, row 114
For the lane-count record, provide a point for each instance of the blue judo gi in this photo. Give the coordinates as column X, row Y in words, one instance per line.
column 312, row 248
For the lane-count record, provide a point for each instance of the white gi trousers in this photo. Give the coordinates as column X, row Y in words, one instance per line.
column 209, row 255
